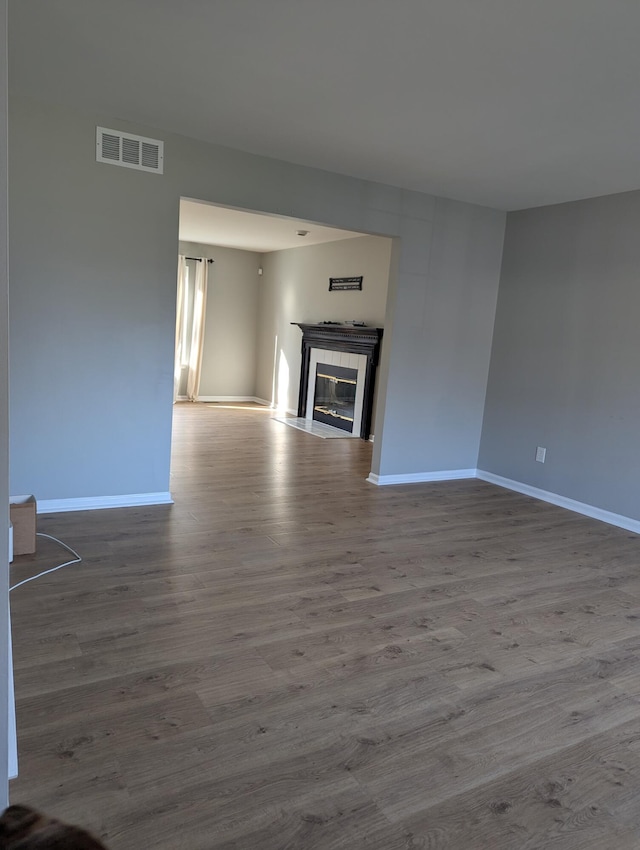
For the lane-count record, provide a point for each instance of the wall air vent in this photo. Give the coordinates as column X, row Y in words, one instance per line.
column 128, row 150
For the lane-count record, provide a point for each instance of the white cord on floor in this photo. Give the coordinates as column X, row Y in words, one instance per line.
column 77, row 560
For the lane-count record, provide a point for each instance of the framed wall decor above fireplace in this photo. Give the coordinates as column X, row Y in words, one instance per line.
column 337, row 374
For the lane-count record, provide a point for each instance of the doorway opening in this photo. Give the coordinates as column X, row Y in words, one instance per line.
column 270, row 273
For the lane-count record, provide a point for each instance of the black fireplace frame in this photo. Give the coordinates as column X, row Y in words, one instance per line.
column 352, row 340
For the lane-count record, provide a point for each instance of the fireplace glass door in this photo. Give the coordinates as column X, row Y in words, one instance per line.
column 335, row 396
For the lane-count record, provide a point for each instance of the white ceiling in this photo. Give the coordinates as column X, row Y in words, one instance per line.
column 508, row 103
column 213, row 225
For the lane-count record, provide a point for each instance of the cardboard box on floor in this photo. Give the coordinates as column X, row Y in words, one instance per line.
column 22, row 513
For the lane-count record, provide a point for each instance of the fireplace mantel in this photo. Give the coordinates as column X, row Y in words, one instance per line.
column 352, row 339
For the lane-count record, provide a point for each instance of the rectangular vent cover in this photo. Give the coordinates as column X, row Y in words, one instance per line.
column 128, row 150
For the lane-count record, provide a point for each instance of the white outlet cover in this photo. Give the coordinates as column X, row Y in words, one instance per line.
column 541, row 454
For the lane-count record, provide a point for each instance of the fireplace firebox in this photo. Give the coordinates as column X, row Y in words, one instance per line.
column 337, row 374
column 335, row 396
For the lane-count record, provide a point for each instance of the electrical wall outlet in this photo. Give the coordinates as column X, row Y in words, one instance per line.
column 541, row 454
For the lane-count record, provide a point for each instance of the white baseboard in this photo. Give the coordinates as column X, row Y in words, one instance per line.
column 583, row 508
column 562, row 501
column 237, row 399
column 421, row 477
column 93, row 503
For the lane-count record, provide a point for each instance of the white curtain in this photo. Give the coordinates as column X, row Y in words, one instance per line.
column 190, row 316
column 197, row 330
column 180, row 313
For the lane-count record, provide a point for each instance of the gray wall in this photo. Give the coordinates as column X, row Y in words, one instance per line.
column 4, row 415
column 92, row 317
column 442, row 321
column 229, row 354
column 566, row 352
column 93, row 266
column 295, row 288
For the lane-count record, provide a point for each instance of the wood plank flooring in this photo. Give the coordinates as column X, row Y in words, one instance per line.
column 290, row 657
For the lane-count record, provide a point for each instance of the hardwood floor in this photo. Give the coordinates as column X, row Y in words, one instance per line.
column 290, row 657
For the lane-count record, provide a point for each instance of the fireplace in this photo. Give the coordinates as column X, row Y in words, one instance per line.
column 337, row 375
